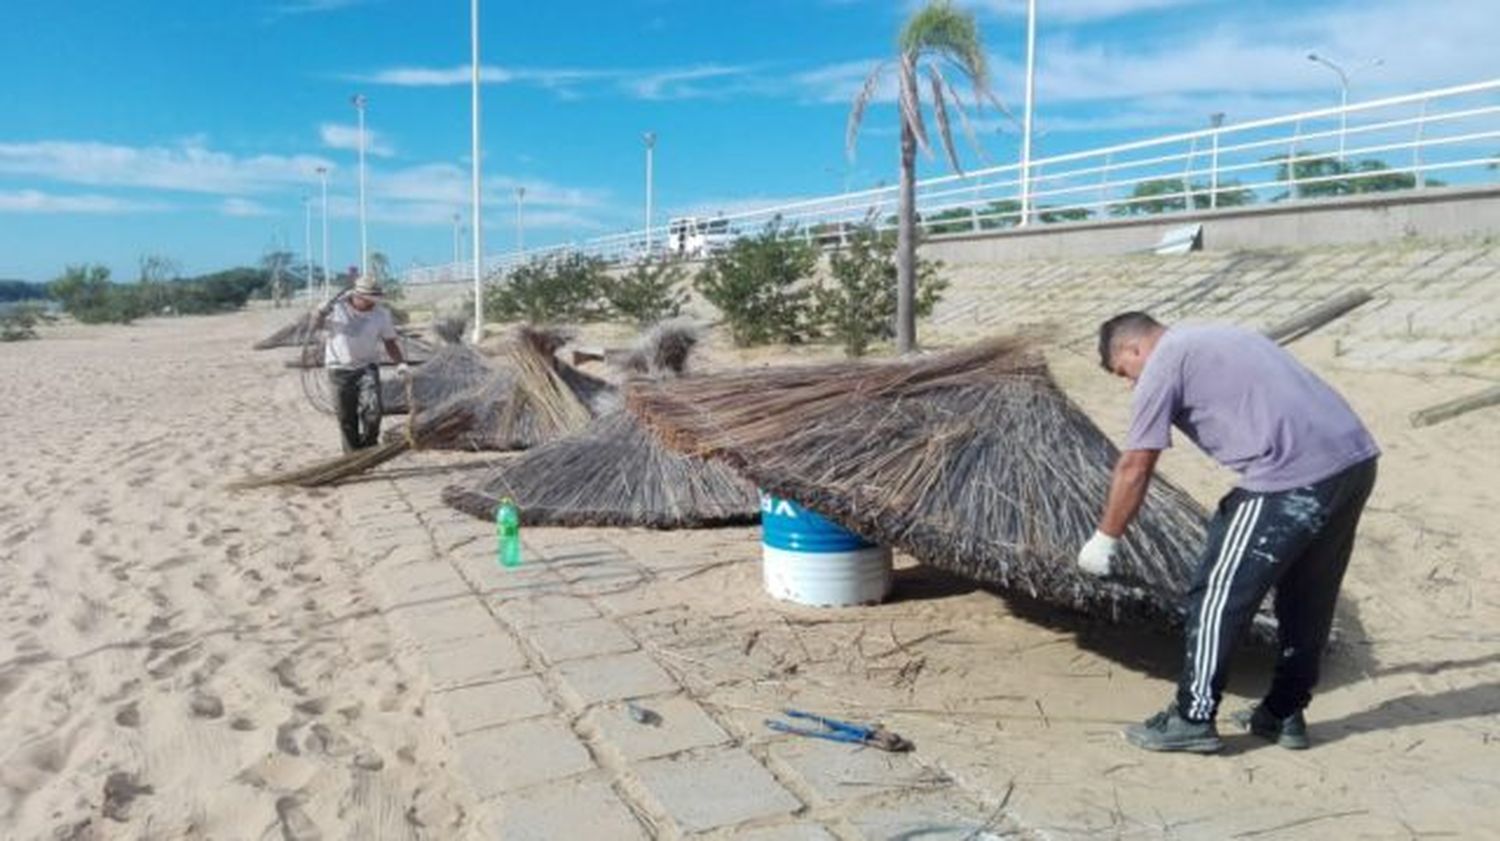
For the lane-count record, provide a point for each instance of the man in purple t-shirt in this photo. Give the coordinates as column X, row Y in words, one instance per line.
column 1306, row 465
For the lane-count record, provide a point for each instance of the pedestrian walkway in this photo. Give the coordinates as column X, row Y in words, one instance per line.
column 573, row 720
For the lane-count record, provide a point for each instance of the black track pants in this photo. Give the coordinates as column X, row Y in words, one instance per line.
column 356, row 399
column 1298, row 541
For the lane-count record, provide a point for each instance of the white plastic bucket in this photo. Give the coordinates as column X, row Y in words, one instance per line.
column 807, row 559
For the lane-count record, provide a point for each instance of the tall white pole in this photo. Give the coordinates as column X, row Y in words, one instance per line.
column 323, row 177
column 364, row 242
column 457, row 249
column 650, row 138
column 520, row 226
column 474, row 214
column 1030, row 101
column 307, row 245
column 1217, row 121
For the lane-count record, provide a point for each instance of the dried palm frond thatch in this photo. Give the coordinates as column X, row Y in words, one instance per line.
column 973, row 461
column 526, row 401
column 294, row 334
column 450, row 370
column 613, row 473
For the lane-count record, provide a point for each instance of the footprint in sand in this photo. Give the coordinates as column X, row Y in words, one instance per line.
column 295, row 824
column 241, row 724
column 128, row 715
column 204, row 705
column 120, row 790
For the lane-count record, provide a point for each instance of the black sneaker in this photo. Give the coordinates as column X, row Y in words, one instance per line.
column 1289, row 732
column 1169, row 731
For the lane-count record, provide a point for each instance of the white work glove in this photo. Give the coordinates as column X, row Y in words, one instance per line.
column 402, row 370
column 1098, row 555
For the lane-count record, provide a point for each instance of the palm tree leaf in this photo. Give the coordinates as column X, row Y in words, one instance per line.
column 963, row 118
column 940, row 108
column 911, row 103
column 857, row 110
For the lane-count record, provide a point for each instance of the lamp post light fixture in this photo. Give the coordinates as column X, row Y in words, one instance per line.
column 520, row 226
column 650, row 139
column 307, row 274
column 476, row 222
column 323, row 179
column 359, row 102
column 1030, row 107
column 1216, row 120
column 1343, row 75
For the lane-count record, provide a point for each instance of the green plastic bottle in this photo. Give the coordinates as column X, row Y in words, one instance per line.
column 508, row 530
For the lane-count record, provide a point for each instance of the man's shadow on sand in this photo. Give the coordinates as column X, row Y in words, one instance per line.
column 1157, row 652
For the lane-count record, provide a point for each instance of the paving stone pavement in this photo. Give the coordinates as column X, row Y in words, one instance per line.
column 567, row 725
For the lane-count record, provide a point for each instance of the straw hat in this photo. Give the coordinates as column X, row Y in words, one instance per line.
column 369, row 287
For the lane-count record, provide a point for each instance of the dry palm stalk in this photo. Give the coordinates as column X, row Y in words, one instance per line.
column 972, row 461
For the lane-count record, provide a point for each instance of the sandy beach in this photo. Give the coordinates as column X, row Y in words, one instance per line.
column 184, row 661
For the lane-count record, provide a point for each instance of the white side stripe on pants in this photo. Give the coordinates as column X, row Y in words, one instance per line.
column 1215, row 597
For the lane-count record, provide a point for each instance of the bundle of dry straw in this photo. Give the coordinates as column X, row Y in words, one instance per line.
column 527, row 400
column 615, row 473
column 295, row 334
column 972, row 461
column 450, row 370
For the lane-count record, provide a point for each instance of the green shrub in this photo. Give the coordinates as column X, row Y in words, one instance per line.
column 18, row 322
column 650, row 292
column 549, row 290
column 858, row 307
column 758, row 284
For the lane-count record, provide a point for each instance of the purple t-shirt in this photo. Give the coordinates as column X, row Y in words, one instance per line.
column 1247, row 403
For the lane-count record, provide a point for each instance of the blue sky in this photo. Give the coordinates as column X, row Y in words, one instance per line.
column 192, row 128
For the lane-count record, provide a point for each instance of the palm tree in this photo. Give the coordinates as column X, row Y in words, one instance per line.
column 935, row 36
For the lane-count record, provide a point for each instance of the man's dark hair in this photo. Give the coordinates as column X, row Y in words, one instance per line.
column 1126, row 325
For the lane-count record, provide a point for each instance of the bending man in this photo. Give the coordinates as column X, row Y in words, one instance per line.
column 358, row 324
column 1306, row 465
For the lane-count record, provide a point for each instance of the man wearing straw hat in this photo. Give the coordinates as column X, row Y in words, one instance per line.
column 358, row 324
column 1306, row 466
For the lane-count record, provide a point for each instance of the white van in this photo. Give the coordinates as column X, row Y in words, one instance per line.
column 692, row 237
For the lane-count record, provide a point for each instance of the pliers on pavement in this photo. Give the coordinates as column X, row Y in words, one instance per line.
column 873, row 735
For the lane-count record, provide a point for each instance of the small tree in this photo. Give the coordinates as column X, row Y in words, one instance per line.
column 550, row 289
column 650, row 292
column 859, row 307
column 86, row 293
column 758, row 284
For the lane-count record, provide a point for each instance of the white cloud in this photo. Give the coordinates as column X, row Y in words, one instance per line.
column 306, row 7
column 36, row 201
column 236, row 206
column 342, row 136
column 189, row 167
column 649, row 84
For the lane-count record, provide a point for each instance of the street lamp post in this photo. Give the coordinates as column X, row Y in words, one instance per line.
column 1030, row 102
column 307, row 275
column 650, row 138
column 520, row 227
column 477, row 223
column 457, row 248
column 323, row 178
column 1343, row 90
column 1216, row 120
column 364, row 242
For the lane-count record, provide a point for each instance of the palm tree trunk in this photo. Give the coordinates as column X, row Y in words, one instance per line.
column 906, row 246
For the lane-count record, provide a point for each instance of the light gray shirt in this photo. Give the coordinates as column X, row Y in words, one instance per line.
column 355, row 338
column 1249, row 405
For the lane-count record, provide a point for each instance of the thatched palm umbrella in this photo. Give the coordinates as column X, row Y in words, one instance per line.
column 972, row 461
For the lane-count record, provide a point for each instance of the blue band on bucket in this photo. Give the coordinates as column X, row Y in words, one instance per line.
column 788, row 526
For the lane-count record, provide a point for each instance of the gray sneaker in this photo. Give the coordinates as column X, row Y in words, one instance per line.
column 1169, row 731
column 1289, row 732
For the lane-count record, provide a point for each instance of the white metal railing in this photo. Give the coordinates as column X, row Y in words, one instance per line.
column 1447, row 135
